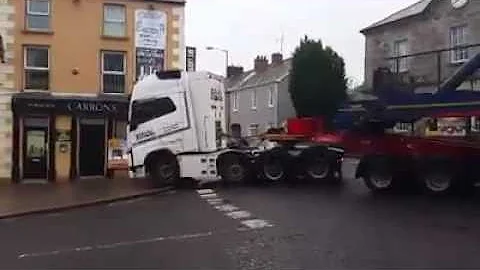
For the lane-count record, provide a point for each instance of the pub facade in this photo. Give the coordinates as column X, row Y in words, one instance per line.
column 72, row 80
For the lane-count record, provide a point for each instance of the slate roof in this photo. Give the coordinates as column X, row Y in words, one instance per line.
column 412, row 10
column 251, row 79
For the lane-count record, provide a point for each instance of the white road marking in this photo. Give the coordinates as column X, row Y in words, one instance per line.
column 239, row 214
column 256, row 223
column 205, row 191
column 215, row 201
column 114, row 245
column 208, row 196
column 227, row 208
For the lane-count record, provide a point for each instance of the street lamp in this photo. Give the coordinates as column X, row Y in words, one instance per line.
column 210, row 48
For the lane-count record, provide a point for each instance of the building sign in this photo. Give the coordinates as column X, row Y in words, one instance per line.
column 26, row 103
column 117, row 154
column 191, row 59
column 150, row 41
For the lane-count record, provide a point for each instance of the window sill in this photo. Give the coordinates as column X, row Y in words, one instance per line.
column 457, row 63
column 113, row 93
column 35, row 90
column 37, row 32
column 125, row 38
column 254, row 108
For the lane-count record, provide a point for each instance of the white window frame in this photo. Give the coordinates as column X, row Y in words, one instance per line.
column 235, row 101
column 106, row 20
column 455, row 41
column 252, row 127
column 47, row 14
column 124, row 73
column 402, row 62
column 254, row 99
column 26, row 67
column 271, row 97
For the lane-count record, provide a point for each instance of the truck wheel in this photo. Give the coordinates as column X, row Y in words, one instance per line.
column 316, row 164
column 234, row 169
column 273, row 166
column 378, row 175
column 164, row 170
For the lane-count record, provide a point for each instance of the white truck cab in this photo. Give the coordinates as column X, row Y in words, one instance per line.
column 175, row 129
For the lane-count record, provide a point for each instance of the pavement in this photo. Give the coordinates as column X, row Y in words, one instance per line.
column 24, row 199
column 252, row 227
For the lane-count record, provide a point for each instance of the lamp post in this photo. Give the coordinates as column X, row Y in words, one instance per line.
column 210, row 48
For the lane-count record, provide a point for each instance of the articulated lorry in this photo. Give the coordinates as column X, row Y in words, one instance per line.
column 177, row 129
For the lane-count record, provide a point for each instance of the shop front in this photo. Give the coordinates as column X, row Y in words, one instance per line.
column 64, row 138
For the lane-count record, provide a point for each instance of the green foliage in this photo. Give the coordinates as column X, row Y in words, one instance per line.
column 318, row 84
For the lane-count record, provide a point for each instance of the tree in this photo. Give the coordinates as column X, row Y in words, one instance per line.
column 317, row 80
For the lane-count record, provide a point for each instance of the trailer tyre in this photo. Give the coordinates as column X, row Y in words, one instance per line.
column 164, row 170
column 378, row 175
column 234, row 168
column 273, row 166
column 316, row 164
column 436, row 177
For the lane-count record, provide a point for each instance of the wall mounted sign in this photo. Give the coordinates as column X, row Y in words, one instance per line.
column 63, row 136
column 150, row 41
column 191, row 58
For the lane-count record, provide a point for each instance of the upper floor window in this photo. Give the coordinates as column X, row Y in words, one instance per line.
column 114, row 19
column 254, row 99
column 235, row 101
column 271, row 98
column 458, row 38
column 400, row 48
column 38, row 15
column 113, row 72
column 36, row 68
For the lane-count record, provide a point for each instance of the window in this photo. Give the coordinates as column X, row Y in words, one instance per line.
column 113, row 72
column 146, row 110
column 254, row 99
column 38, row 15
column 114, row 20
column 271, row 98
column 403, row 127
column 400, row 48
column 36, row 67
column 458, row 37
column 475, row 124
column 235, row 101
column 120, row 130
column 253, row 130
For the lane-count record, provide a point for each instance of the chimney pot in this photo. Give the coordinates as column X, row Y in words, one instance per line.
column 260, row 64
column 277, row 58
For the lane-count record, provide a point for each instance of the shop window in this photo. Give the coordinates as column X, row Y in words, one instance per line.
column 113, row 72
column 146, row 110
column 37, row 68
column 38, row 15
column 114, row 19
column 120, row 130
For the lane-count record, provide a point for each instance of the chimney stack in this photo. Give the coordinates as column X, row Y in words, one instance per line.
column 233, row 71
column 277, row 58
column 260, row 64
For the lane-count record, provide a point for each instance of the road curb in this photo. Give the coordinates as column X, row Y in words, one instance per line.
column 66, row 207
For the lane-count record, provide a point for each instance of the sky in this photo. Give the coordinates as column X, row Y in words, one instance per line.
column 247, row 28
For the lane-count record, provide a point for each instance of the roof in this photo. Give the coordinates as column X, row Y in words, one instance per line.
column 412, row 10
column 250, row 79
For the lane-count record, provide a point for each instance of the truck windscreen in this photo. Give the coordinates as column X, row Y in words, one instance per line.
column 148, row 109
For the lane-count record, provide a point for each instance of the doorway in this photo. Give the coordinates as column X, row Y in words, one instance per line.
column 35, row 148
column 91, row 147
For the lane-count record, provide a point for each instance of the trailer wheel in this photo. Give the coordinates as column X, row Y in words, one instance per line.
column 378, row 175
column 164, row 170
column 273, row 165
column 436, row 178
column 234, row 168
column 316, row 164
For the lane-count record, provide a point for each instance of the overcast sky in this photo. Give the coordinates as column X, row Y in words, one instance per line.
column 247, row 28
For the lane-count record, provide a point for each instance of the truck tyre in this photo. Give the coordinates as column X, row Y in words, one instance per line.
column 378, row 174
column 164, row 170
column 234, row 168
column 273, row 165
column 316, row 164
column 436, row 177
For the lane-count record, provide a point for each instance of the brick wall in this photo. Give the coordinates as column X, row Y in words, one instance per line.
column 7, row 20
